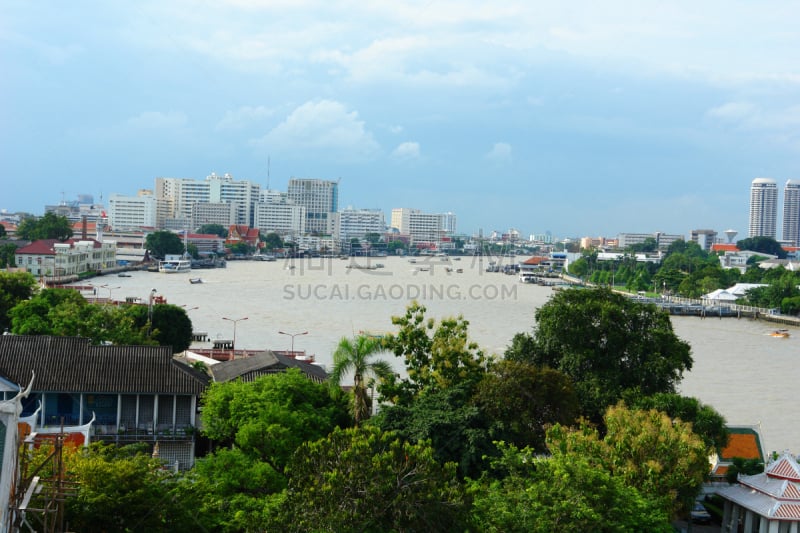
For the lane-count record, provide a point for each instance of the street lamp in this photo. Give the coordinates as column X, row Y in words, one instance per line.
column 235, row 321
column 293, row 335
column 150, row 311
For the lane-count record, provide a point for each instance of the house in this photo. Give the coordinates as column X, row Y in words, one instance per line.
column 133, row 393
column 767, row 502
column 51, row 259
column 264, row 363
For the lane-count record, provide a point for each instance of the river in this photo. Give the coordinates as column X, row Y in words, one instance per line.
column 739, row 369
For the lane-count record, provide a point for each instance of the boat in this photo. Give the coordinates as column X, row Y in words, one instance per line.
column 195, row 281
column 174, row 266
column 780, row 333
column 123, row 275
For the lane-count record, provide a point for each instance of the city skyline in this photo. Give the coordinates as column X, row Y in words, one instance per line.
column 579, row 119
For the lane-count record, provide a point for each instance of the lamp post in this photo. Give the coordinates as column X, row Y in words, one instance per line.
column 235, row 321
column 150, row 312
column 293, row 335
column 109, row 291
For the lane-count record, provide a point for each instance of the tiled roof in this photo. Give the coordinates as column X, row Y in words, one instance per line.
column 784, row 468
column 71, row 364
column 261, row 363
column 46, row 246
column 744, row 443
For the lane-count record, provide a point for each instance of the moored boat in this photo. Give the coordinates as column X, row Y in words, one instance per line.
column 780, row 333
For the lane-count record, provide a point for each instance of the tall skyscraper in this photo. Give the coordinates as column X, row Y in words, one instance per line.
column 791, row 212
column 763, row 208
column 321, row 200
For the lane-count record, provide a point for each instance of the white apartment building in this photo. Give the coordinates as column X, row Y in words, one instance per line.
column 222, row 213
column 280, row 216
column 791, row 212
column 321, row 200
column 350, row 223
column 763, row 208
column 181, row 194
column 704, row 238
column 663, row 240
column 423, row 228
column 132, row 212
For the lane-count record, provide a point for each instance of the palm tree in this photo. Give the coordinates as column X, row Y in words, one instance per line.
column 353, row 355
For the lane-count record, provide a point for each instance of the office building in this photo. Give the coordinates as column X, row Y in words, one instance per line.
column 763, row 208
column 423, row 228
column 356, row 223
column 791, row 212
column 132, row 212
column 705, row 238
column 321, row 200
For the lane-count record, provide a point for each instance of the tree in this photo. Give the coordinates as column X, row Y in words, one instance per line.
column 171, row 324
column 124, row 489
column 559, row 493
column 436, row 356
column 163, row 243
column 8, row 255
column 663, row 458
column 272, row 241
column 521, row 401
column 764, row 245
column 213, row 229
column 50, row 226
column 270, row 417
column 15, row 287
column 354, row 356
column 607, row 343
column 366, row 480
column 2, row 231
column 707, row 422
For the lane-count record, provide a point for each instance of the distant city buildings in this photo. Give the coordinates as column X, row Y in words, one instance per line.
column 763, row 208
column 320, row 198
column 791, row 212
column 356, row 223
column 705, row 238
column 425, row 229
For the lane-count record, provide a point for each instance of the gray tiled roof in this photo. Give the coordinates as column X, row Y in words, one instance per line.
column 261, row 363
column 71, row 364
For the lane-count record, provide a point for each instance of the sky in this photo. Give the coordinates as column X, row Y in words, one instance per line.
column 575, row 118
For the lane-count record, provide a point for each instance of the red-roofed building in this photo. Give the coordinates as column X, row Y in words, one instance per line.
column 240, row 233
column 723, row 247
column 52, row 259
column 767, row 502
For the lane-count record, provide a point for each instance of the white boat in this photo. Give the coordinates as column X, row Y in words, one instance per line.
column 174, row 266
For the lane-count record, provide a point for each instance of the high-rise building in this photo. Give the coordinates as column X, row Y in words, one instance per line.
column 132, row 212
column 705, row 238
column 424, row 228
column 357, row 223
column 791, row 212
column 763, row 208
column 321, row 200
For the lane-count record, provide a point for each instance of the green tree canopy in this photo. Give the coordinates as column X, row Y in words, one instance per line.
column 272, row 241
column 213, row 229
column 163, row 243
column 764, row 245
column 521, row 401
column 8, row 255
column 607, row 343
column 560, row 493
column 15, row 287
column 366, row 480
column 50, row 226
column 647, row 449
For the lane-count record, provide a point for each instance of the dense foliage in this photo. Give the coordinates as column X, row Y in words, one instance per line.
column 163, row 243
column 15, row 287
column 49, row 226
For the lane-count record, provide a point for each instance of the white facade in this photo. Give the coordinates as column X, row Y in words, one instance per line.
column 284, row 218
column 351, row 222
column 321, row 200
column 222, row 213
column 791, row 212
column 422, row 227
column 132, row 212
column 763, row 208
column 663, row 240
column 181, row 194
column 704, row 238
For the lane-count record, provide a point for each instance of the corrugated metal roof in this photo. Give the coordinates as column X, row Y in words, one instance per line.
column 266, row 362
column 71, row 364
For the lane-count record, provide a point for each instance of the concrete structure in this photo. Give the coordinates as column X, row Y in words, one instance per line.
column 763, row 208
column 425, row 229
column 181, row 194
column 663, row 240
column 276, row 213
column 350, row 223
column 321, row 200
column 791, row 213
column 705, row 238
column 222, row 213
column 51, row 259
column 127, row 213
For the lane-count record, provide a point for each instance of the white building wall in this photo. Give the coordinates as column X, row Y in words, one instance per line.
column 132, row 212
column 763, row 208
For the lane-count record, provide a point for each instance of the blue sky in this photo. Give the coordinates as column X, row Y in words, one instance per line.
column 579, row 118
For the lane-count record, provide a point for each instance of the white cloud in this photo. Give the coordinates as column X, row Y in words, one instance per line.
column 323, row 126
column 407, row 150
column 755, row 117
column 500, row 153
column 243, row 116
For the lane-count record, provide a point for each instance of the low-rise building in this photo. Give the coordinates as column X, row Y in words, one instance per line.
column 51, row 259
